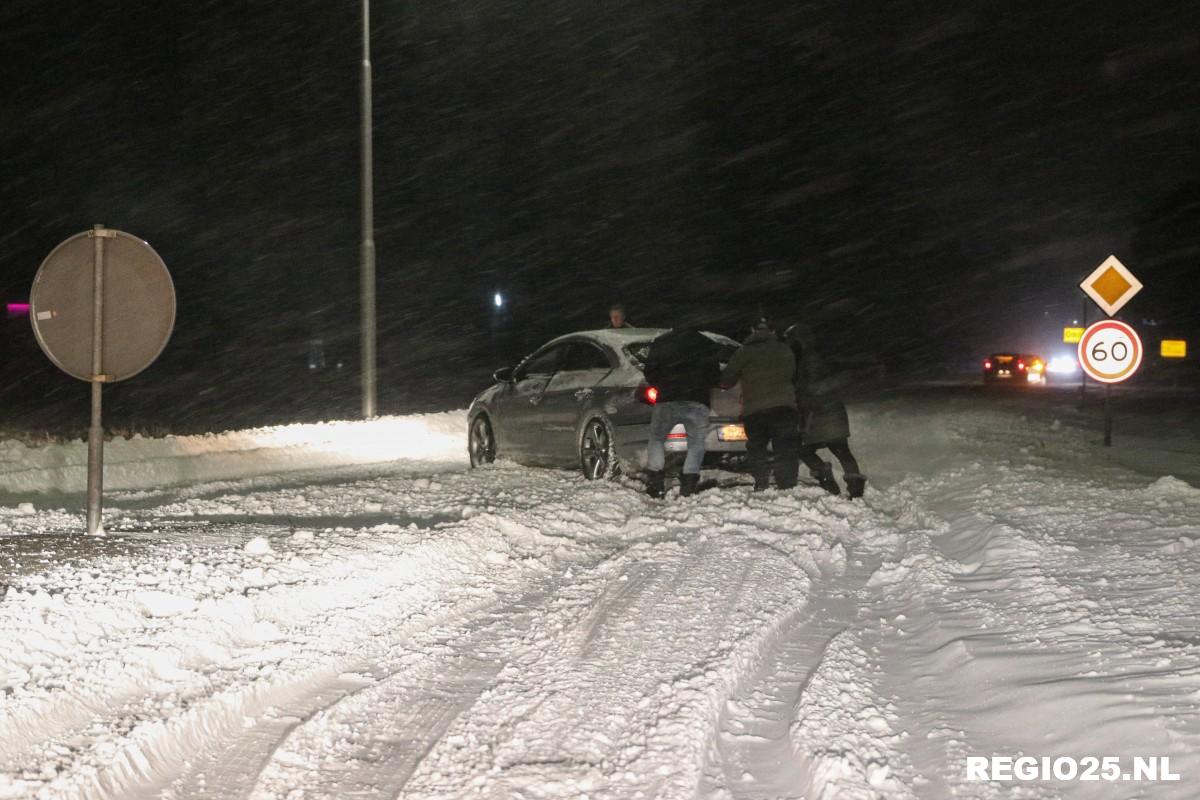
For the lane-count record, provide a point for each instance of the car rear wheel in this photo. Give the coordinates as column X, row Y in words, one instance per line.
column 597, row 457
column 481, row 443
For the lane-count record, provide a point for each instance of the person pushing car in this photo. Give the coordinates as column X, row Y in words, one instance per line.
column 824, row 421
column 766, row 368
column 682, row 366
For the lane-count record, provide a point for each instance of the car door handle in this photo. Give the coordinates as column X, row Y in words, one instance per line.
column 583, row 394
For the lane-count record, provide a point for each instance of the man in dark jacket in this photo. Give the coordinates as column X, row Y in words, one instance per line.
column 824, row 421
column 682, row 366
column 766, row 369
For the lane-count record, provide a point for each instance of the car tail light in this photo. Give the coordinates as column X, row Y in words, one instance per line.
column 677, row 435
column 1021, row 366
column 649, row 395
column 987, row 364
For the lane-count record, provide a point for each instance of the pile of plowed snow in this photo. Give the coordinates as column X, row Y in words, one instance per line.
column 141, row 462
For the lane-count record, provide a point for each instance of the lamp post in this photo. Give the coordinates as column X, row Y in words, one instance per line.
column 367, row 261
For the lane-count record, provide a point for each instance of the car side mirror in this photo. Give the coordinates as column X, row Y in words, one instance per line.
column 503, row 375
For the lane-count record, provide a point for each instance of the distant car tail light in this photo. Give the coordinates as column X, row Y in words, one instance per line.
column 1020, row 365
column 677, row 435
column 649, row 395
column 987, row 364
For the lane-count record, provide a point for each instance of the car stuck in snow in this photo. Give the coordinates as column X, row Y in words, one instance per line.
column 581, row 400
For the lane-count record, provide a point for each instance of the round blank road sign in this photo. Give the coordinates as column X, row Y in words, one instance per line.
column 1110, row 351
column 139, row 305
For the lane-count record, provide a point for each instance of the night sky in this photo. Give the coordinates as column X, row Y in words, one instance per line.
column 922, row 182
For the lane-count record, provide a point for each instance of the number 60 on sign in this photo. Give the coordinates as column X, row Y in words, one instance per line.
column 1110, row 351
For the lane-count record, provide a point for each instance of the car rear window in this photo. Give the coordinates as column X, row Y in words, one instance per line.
column 584, row 356
column 726, row 347
column 637, row 352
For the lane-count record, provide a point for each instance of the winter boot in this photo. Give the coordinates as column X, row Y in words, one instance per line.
column 654, row 483
column 855, row 485
column 825, row 479
column 762, row 477
column 688, row 484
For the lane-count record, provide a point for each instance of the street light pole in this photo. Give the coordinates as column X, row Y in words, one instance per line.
column 367, row 270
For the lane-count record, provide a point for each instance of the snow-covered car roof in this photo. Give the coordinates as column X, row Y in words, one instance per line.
column 615, row 338
column 630, row 343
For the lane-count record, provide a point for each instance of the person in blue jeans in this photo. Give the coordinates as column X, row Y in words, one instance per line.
column 683, row 366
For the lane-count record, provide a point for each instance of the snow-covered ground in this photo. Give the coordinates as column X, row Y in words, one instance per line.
column 349, row 611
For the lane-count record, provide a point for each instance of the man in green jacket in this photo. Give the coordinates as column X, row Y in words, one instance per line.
column 765, row 367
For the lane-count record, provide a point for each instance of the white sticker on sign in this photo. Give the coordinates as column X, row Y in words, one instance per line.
column 41, row 315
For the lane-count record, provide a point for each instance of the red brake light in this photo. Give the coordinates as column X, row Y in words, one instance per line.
column 987, row 364
column 650, row 395
column 1020, row 365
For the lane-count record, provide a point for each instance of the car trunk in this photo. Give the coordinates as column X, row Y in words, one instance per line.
column 727, row 403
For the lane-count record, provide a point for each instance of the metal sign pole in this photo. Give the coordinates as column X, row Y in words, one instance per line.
column 367, row 267
column 1108, row 420
column 95, row 476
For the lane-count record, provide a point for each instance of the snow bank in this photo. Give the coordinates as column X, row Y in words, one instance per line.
column 142, row 462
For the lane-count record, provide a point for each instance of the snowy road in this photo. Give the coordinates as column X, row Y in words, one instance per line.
column 291, row 622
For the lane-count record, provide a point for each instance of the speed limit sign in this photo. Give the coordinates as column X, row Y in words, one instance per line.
column 1110, row 351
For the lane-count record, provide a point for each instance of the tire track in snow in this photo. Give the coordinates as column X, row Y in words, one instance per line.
column 618, row 686
column 368, row 743
column 617, row 596
column 217, row 749
column 226, row 746
column 753, row 757
column 188, row 744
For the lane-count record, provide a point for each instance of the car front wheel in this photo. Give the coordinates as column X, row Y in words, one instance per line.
column 597, row 457
column 481, row 443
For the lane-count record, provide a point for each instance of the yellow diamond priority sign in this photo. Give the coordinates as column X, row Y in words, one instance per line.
column 1111, row 285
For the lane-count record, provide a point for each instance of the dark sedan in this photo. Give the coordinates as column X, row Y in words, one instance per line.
column 1017, row 368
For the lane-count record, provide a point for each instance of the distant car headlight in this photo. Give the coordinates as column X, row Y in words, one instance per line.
column 1062, row 365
